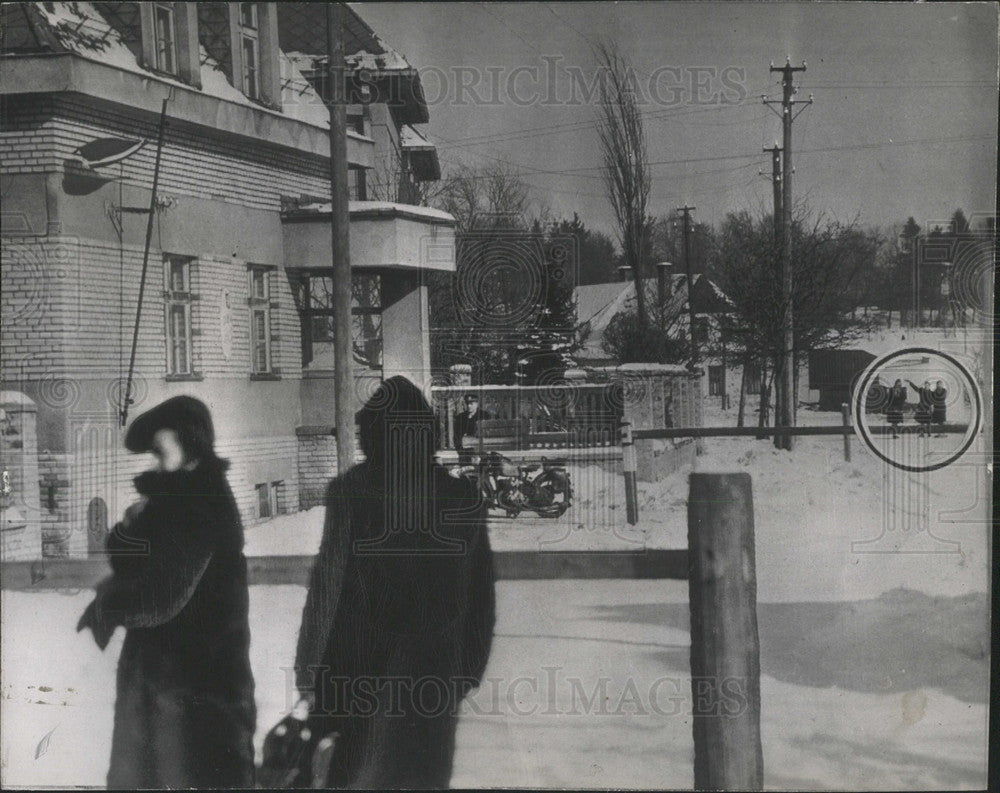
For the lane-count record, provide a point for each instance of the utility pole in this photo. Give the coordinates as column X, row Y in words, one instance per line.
column 686, row 210
column 786, row 412
column 775, row 152
column 336, row 99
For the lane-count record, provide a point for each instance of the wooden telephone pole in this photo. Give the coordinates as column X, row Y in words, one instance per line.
column 775, row 152
column 343, row 377
column 786, row 407
column 686, row 212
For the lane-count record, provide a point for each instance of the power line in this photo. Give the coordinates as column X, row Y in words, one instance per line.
column 817, row 150
column 670, row 113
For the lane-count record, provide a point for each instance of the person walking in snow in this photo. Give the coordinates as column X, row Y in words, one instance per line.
column 185, row 711
column 400, row 602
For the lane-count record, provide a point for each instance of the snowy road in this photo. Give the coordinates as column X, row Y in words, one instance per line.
column 588, row 686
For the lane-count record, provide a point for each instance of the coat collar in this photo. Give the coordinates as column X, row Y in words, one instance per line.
column 152, row 483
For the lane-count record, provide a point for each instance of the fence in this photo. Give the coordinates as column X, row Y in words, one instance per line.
column 570, row 415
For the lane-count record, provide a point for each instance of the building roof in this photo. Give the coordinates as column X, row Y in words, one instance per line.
column 387, row 73
column 80, row 28
column 422, row 153
column 369, row 209
column 598, row 304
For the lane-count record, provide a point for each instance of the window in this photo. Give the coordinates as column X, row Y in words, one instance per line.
column 250, row 48
column 264, row 509
column 163, row 37
column 278, row 497
column 314, row 298
column 716, row 380
column 357, row 184
column 178, row 305
column 356, row 122
column 270, row 496
column 701, row 330
column 260, row 320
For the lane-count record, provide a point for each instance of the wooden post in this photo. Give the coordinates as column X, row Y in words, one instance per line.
column 845, row 414
column 725, row 651
column 629, row 464
column 343, row 377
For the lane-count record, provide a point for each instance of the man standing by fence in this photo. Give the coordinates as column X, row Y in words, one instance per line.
column 467, row 424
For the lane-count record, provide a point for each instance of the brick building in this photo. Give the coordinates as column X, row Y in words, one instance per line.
column 236, row 307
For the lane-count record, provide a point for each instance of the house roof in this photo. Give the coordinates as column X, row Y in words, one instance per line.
column 593, row 298
column 423, row 154
column 368, row 209
column 80, row 28
column 598, row 304
column 302, row 29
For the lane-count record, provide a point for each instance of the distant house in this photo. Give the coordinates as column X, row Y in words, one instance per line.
column 598, row 304
column 834, row 372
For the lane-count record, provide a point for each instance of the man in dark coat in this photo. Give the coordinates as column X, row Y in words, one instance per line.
column 185, row 711
column 467, row 424
column 398, row 620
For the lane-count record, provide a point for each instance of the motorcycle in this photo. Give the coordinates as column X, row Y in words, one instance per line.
column 540, row 487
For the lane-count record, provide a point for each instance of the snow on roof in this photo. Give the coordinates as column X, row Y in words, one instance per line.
column 321, row 208
column 82, row 30
column 388, row 61
column 299, row 99
column 597, row 304
column 673, row 368
column 411, row 138
column 590, row 299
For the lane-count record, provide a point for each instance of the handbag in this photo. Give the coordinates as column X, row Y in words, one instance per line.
column 295, row 755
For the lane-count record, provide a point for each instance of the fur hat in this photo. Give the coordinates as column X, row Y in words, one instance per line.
column 185, row 415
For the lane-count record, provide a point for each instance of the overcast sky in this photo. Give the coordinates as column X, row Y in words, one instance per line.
column 904, row 120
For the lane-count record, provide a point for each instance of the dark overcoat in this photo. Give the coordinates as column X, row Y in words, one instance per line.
column 396, row 628
column 939, row 412
column 185, row 712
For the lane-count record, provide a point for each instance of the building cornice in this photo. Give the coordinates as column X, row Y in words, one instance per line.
column 57, row 73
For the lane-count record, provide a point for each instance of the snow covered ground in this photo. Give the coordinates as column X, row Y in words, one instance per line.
column 874, row 660
column 588, row 686
column 826, row 529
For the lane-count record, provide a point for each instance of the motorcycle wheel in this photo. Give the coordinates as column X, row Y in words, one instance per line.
column 555, row 511
column 504, row 501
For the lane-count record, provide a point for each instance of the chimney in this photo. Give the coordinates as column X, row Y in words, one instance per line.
column 664, row 282
column 625, row 271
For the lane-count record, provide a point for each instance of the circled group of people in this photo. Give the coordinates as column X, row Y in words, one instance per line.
column 931, row 408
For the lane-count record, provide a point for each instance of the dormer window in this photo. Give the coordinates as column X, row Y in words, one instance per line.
column 169, row 35
column 163, row 31
column 250, row 49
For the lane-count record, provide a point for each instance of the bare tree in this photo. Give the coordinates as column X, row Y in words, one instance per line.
column 490, row 197
column 626, row 165
column 500, row 250
column 830, row 260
